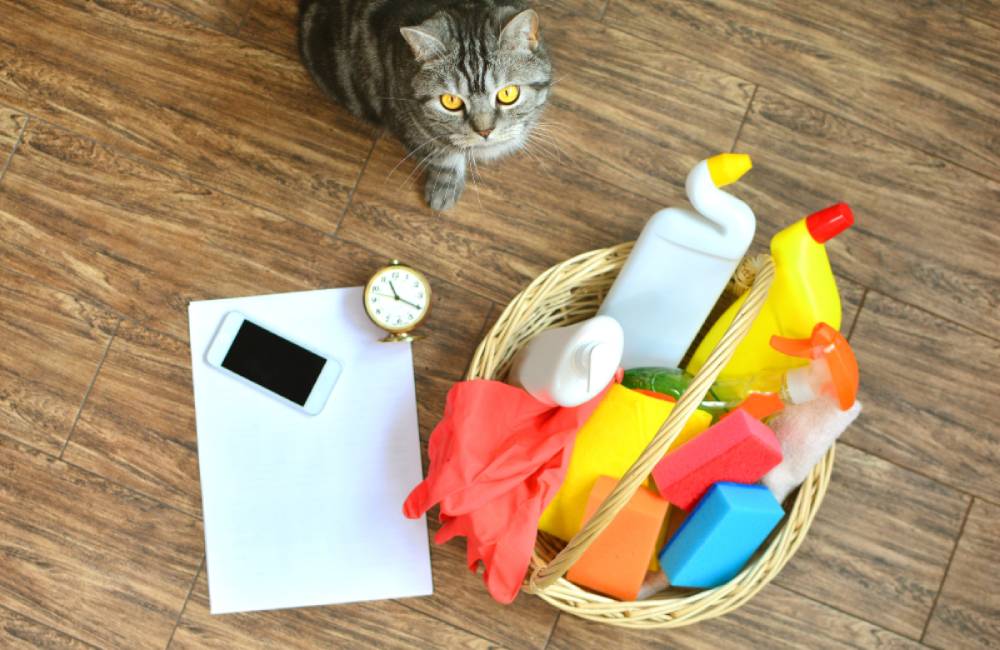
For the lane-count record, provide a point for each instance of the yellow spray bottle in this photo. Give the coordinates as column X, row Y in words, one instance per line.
column 804, row 293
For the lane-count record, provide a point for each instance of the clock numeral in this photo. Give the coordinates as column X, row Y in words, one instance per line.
column 395, row 274
column 409, row 317
column 378, row 311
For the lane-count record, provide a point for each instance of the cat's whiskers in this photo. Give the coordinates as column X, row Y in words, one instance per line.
column 474, row 170
column 407, row 156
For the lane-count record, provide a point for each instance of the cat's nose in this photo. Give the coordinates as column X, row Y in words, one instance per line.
column 485, row 133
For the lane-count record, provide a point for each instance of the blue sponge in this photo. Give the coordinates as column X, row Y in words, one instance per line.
column 729, row 523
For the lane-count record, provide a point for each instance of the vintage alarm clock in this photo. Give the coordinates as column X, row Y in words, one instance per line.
column 398, row 299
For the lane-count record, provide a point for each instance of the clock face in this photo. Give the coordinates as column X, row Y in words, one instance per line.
column 397, row 298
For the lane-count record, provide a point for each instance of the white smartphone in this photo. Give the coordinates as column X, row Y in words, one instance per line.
column 286, row 370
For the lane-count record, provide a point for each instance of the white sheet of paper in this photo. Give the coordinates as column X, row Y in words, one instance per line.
column 306, row 510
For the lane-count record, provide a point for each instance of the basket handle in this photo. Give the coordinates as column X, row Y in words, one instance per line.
column 546, row 574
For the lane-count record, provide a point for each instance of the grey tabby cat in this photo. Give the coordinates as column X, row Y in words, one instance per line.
column 455, row 80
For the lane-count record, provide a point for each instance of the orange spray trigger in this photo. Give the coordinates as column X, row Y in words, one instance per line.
column 834, row 369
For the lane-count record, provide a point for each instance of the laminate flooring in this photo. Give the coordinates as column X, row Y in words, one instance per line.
column 162, row 151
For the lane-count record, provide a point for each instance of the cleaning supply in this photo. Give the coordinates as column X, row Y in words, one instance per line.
column 671, row 382
column 496, row 459
column 804, row 293
column 608, row 443
column 832, row 370
column 615, row 563
column 680, row 264
column 720, row 536
column 569, row 365
column 737, row 448
column 806, row 432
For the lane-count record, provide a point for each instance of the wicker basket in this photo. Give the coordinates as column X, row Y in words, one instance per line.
column 570, row 292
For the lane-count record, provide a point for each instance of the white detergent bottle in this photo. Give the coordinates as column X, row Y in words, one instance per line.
column 568, row 366
column 680, row 265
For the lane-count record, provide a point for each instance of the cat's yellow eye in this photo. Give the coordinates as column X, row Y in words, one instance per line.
column 451, row 102
column 508, row 94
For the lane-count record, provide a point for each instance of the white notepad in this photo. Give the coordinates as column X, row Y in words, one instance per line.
column 306, row 510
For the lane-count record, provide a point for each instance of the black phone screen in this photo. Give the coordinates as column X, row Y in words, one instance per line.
column 275, row 363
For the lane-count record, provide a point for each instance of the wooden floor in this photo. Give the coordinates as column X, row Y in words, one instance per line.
column 153, row 153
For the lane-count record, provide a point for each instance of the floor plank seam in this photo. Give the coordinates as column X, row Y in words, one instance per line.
column 46, row 626
column 480, row 335
column 86, row 393
column 604, row 11
column 17, row 143
column 187, row 599
column 857, row 313
column 779, row 583
column 357, row 181
column 81, row 468
column 932, row 314
column 947, row 570
column 746, row 114
column 917, row 472
column 826, row 111
column 243, row 22
column 552, row 630
column 402, row 602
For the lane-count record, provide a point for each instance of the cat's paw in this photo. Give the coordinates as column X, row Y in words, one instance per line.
column 442, row 190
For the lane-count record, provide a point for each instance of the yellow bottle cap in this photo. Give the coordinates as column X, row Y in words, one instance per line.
column 726, row 168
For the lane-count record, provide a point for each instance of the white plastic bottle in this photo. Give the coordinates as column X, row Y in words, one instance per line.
column 680, row 265
column 568, row 366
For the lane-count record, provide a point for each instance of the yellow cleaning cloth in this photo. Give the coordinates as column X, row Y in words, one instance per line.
column 607, row 444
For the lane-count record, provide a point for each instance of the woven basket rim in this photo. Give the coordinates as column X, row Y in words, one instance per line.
column 562, row 289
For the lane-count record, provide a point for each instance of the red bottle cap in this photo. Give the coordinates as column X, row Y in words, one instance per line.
column 829, row 222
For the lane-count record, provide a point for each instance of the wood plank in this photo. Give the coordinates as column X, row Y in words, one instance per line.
column 516, row 222
column 84, row 218
column 968, row 612
column 925, row 228
column 223, row 15
column 11, row 124
column 21, row 633
column 921, row 72
column 384, row 624
column 460, row 598
column 857, row 557
column 272, row 24
column 631, row 113
column 201, row 103
column 774, row 618
column 90, row 558
column 52, row 345
column 929, row 388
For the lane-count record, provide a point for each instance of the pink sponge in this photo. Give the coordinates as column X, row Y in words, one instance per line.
column 739, row 448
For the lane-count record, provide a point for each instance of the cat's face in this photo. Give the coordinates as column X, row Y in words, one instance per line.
column 483, row 80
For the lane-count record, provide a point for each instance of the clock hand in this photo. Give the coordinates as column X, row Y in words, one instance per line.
column 394, row 292
column 409, row 303
column 385, row 295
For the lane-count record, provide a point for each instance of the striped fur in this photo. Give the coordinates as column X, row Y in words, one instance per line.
column 389, row 61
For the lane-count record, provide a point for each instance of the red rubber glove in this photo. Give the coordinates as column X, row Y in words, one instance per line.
column 497, row 458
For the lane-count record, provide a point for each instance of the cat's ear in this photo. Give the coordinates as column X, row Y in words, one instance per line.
column 521, row 31
column 426, row 39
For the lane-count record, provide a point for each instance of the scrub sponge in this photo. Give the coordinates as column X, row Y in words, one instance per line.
column 720, row 536
column 615, row 563
column 738, row 448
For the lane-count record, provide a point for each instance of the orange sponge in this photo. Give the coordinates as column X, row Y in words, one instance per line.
column 616, row 562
